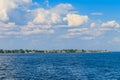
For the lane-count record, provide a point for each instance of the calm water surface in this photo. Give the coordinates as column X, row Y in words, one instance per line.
column 60, row 66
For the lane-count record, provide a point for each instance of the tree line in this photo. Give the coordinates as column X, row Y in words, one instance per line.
column 50, row 51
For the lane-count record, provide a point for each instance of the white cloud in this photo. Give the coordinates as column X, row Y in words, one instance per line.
column 5, row 7
column 112, row 23
column 93, row 30
column 83, row 33
column 53, row 15
column 46, row 17
column 40, row 20
column 77, row 30
column 8, row 26
column 37, row 31
column 62, row 9
column 100, row 26
column 10, row 29
column 30, row 29
column 47, row 20
column 92, row 25
column 75, row 19
column 87, row 38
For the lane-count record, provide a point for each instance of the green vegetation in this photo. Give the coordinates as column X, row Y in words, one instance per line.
column 51, row 51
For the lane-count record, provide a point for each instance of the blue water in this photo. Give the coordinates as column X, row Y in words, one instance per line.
column 60, row 66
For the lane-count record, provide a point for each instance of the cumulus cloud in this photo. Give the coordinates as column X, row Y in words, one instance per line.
column 62, row 9
column 75, row 19
column 53, row 15
column 19, row 21
column 93, row 30
column 5, row 7
column 112, row 23
column 40, row 20
column 46, row 17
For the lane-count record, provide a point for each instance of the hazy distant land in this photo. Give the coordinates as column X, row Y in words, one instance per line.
column 51, row 51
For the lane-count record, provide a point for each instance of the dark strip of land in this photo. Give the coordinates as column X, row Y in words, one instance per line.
column 51, row 51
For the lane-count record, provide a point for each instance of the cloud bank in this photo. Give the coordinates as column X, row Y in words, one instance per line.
column 19, row 18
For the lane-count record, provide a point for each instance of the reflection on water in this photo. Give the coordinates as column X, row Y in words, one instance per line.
column 60, row 66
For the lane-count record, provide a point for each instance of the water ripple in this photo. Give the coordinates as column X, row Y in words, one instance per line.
column 59, row 67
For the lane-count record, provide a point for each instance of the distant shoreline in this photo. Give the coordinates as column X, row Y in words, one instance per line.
column 53, row 51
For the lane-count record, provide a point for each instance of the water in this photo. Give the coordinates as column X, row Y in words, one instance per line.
column 60, row 66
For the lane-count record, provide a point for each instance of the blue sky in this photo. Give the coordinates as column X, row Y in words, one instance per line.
column 60, row 24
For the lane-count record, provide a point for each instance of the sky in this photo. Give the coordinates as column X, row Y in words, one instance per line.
column 60, row 24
